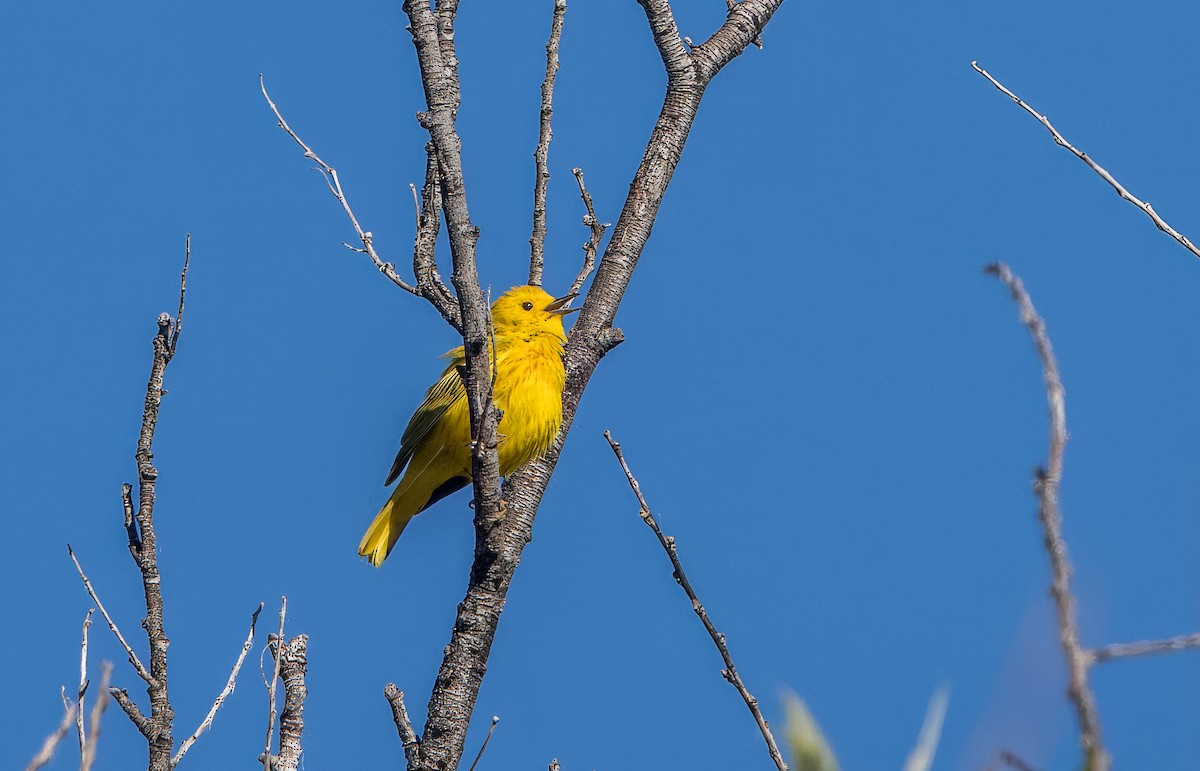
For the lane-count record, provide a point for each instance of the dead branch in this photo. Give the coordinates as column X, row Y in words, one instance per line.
column 220, row 700
column 1046, row 482
column 292, row 657
column 597, row 229
column 730, row 672
column 537, row 241
column 404, row 726
column 46, row 753
column 1144, row 648
column 1061, row 141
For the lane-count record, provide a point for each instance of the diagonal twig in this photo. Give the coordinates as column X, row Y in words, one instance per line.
column 1158, row 221
column 537, row 241
column 1046, row 484
column 730, row 672
column 133, row 657
column 229, row 685
column 51, row 742
column 335, row 187
column 486, row 739
column 404, row 726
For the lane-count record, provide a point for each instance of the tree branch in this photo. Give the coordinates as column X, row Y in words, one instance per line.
column 46, row 753
column 1158, row 221
column 266, row 757
column 1144, row 648
column 501, row 540
column 88, row 752
column 1046, row 482
column 229, row 685
column 730, row 672
column 597, row 229
column 293, row 665
column 537, row 241
column 404, row 726
column 133, row 657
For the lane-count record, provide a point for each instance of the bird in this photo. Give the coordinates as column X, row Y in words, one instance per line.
column 435, row 453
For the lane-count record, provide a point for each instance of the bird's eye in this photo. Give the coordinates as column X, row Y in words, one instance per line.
column 527, row 306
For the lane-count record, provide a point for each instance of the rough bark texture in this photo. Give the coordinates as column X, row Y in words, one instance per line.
column 500, row 540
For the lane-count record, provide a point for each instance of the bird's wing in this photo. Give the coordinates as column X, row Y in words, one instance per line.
column 441, row 396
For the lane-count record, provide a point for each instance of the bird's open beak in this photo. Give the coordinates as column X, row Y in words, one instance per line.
column 556, row 306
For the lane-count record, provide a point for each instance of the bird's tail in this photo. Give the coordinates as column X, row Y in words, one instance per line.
column 383, row 533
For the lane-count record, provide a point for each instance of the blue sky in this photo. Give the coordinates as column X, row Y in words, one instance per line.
column 830, row 406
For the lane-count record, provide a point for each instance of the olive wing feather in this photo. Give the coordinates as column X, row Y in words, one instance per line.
column 441, row 396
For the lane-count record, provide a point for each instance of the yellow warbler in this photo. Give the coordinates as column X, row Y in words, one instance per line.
column 435, row 447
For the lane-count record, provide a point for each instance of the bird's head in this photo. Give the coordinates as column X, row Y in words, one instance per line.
column 529, row 310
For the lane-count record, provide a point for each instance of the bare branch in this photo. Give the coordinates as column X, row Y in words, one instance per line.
column 46, row 753
column 730, row 5
column 501, row 535
column 675, row 56
column 486, row 739
column 921, row 757
column 88, row 751
column 730, row 672
column 1006, row 759
column 429, row 211
column 187, row 257
column 597, row 229
column 266, row 757
column 1158, row 221
column 404, row 726
column 83, row 683
column 144, row 549
column 1144, row 648
column 140, row 721
column 335, row 187
column 293, row 665
column 1046, row 484
column 537, row 241
column 229, row 685
column 133, row 657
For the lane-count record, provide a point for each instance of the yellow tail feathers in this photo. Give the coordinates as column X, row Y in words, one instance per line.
column 383, row 533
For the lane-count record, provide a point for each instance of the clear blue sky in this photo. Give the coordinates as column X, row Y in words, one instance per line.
column 834, row 411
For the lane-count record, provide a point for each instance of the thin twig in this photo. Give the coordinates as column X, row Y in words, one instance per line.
column 537, row 241
column 229, row 685
column 668, row 543
column 1144, row 648
column 486, row 739
column 83, row 682
column 335, row 187
column 1158, row 221
column 266, row 756
column 88, row 753
column 921, row 757
column 404, row 726
column 133, row 657
column 187, row 257
column 1046, row 484
column 597, row 229
column 51, row 742
column 1006, row 759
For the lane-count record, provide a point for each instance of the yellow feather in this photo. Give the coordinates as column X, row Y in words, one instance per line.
column 434, row 452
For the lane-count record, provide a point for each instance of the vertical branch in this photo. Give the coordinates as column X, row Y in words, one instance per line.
column 272, row 713
column 596, row 228
column 142, row 543
column 292, row 658
column 537, row 241
column 83, row 683
column 88, row 753
column 501, row 538
column 1046, row 484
